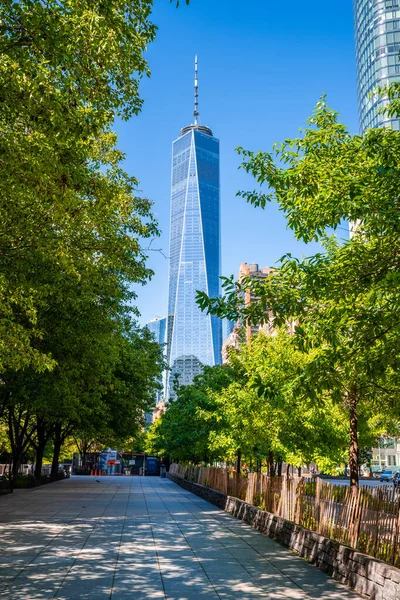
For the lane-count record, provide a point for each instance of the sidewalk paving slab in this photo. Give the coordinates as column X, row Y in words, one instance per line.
column 142, row 538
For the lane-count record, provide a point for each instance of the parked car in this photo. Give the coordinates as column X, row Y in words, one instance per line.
column 376, row 471
column 387, row 475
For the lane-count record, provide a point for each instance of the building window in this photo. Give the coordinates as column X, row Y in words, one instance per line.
column 387, row 442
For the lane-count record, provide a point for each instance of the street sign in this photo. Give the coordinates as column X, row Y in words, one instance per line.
column 111, row 462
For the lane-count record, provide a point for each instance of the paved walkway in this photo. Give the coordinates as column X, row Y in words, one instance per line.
column 141, row 538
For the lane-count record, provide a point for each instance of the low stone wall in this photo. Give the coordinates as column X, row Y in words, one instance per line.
column 216, row 498
column 366, row 575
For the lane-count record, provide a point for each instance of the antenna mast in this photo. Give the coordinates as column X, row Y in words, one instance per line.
column 196, row 92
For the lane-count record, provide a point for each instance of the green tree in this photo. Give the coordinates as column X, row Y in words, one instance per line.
column 253, row 410
column 99, row 390
column 344, row 299
column 182, row 433
column 268, row 415
column 67, row 69
column 136, row 379
column 73, row 224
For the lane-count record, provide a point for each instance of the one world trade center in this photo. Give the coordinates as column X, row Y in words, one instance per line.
column 193, row 338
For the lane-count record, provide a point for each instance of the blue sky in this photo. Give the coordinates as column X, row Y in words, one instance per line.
column 262, row 67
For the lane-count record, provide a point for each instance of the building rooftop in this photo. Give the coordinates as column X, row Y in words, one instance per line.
column 201, row 128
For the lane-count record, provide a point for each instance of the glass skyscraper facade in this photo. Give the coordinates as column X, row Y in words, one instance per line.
column 194, row 338
column 377, row 36
column 158, row 328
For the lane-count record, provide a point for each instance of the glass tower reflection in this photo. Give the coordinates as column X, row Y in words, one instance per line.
column 194, row 338
column 377, row 36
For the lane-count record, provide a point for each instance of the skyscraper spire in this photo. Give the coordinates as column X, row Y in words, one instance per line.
column 196, row 113
column 196, row 92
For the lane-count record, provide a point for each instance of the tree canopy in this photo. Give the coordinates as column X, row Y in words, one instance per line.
column 74, row 226
column 183, row 431
column 254, row 409
column 67, row 69
column 344, row 299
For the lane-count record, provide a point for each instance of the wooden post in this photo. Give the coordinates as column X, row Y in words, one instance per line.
column 396, row 531
column 377, row 518
column 317, row 503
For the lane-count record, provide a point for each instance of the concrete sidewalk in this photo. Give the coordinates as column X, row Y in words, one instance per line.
column 141, row 538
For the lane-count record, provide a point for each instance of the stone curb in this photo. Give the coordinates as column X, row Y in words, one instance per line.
column 366, row 575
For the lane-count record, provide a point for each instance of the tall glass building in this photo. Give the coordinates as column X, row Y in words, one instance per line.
column 377, row 36
column 158, row 328
column 194, row 339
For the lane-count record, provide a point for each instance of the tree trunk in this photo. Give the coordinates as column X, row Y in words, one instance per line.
column 299, row 471
column 239, row 461
column 39, row 460
column 57, row 449
column 39, row 447
column 83, row 452
column 16, row 463
column 279, row 464
column 354, row 450
column 271, row 464
column 18, row 423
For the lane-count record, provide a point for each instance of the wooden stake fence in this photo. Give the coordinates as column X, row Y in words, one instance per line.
column 367, row 519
